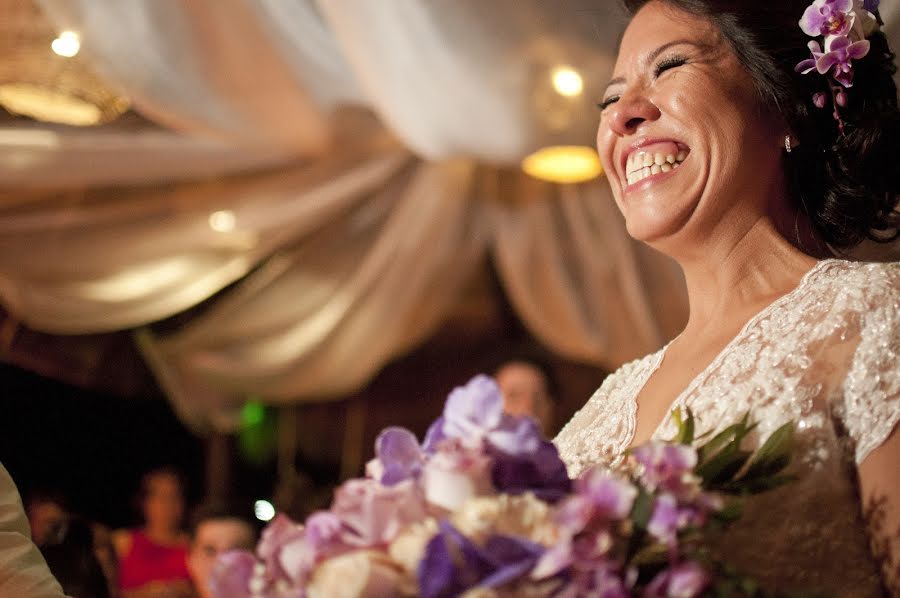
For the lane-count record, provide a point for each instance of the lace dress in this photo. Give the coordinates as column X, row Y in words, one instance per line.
column 827, row 356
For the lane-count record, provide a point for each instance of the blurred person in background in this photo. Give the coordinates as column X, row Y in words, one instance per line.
column 70, row 554
column 23, row 571
column 153, row 558
column 528, row 387
column 47, row 514
column 216, row 529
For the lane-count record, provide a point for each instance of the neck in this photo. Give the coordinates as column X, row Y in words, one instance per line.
column 161, row 534
column 740, row 275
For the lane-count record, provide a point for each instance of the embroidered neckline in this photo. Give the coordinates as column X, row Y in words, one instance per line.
column 659, row 357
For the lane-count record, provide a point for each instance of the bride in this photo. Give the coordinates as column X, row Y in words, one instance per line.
column 748, row 172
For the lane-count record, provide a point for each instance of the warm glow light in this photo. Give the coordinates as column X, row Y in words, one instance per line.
column 222, row 221
column 563, row 164
column 567, row 81
column 264, row 510
column 48, row 105
column 67, row 44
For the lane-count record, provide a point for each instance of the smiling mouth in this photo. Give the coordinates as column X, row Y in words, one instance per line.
column 649, row 161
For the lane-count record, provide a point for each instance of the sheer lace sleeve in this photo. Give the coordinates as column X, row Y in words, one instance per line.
column 871, row 397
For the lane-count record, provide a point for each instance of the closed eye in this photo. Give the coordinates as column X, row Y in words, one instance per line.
column 608, row 102
column 669, row 63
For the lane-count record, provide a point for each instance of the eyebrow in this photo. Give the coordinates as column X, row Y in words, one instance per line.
column 653, row 56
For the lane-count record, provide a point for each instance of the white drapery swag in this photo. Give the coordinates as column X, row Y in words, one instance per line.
column 350, row 241
column 342, row 265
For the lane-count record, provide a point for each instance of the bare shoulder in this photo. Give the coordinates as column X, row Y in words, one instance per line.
column 121, row 541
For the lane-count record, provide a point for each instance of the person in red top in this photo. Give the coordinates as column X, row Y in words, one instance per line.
column 153, row 559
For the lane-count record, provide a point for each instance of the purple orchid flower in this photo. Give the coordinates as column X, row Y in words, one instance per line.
column 541, row 472
column 827, row 17
column 584, row 518
column 838, row 59
column 684, row 580
column 474, row 414
column 471, row 411
column 665, row 520
column 807, row 66
column 231, row 574
column 453, row 564
column 282, row 533
column 606, row 582
column 667, row 466
column 400, row 455
column 320, row 538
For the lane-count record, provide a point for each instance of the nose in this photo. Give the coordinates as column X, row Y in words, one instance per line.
column 630, row 112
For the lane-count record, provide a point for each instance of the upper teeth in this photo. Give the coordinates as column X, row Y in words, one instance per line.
column 643, row 164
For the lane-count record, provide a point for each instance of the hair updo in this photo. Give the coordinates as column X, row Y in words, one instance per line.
column 847, row 184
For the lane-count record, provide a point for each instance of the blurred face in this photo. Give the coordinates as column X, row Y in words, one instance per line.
column 45, row 519
column 215, row 537
column 164, row 504
column 525, row 392
column 682, row 137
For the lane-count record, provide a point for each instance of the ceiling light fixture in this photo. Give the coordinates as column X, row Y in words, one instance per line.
column 563, row 164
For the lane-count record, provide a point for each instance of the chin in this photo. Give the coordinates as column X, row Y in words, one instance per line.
column 652, row 226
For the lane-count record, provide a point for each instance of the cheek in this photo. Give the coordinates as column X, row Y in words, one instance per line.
column 605, row 147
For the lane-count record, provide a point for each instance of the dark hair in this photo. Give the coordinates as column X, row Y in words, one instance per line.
column 847, row 184
column 147, row 478
column 72, row 561
column 528, row 355
column 219, row 510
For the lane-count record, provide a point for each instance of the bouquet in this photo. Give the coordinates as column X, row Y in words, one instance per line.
column 484, row 507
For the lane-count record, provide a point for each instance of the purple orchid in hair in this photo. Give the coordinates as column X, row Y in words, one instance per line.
column 840, row 52
column 808, row 65
column 827, row 17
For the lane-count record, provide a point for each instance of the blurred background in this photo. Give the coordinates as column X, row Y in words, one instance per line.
column 239, row 237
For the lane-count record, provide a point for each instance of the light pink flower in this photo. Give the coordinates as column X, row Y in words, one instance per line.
column 279, row 534
column 372, row 514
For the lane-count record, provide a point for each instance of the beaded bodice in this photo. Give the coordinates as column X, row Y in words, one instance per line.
column 825, row 356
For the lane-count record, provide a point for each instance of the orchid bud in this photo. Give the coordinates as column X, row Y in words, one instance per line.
column 819, row 99
column 841, row 99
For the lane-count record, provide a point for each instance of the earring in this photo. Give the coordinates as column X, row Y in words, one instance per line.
column 787, row 143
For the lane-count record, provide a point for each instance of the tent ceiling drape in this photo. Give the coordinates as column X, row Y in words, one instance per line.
column 346, row 163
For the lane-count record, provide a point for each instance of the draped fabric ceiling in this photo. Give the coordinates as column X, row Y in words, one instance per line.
column 348, row 164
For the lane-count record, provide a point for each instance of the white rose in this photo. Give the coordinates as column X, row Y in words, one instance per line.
column 356, row 574
column 408, row 548
column 455, row 476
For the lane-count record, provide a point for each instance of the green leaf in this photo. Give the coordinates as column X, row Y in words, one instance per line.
column 731, row 512
column 642, row 510
column 775, row 455
column 721, row 468
column 758, row 485
column 640, row 516
column 654, row 554
column 685, row 428
column 733, row 434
